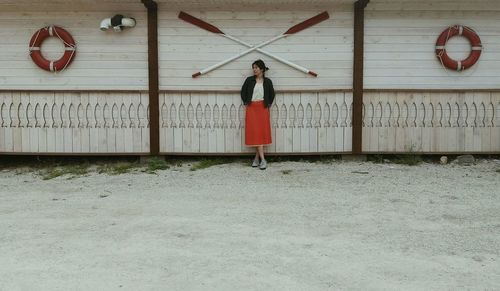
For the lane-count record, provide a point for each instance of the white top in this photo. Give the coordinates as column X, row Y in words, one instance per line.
column 258, row 92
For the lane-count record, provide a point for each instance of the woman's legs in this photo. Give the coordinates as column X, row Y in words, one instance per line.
column 260, row 152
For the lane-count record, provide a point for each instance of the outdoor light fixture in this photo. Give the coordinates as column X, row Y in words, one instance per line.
column 118, row 22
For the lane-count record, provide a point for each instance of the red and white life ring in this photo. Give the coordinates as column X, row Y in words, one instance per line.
column 69, row 48
column 476, row 47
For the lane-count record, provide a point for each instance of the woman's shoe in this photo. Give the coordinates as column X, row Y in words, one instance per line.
column 255, row 163
column 263, row 165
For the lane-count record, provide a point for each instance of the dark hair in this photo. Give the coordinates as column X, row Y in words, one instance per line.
column 261, row 65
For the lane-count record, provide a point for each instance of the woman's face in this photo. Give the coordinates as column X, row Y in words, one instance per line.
column 257, row 71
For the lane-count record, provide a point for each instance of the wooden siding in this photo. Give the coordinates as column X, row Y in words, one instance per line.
column 400, row 38
column 424, row 122
column 80, row 122
column 325, row 48
column 104, row 60
column 215, row 123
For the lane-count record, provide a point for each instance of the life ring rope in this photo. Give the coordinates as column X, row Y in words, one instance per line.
column 476, row 48
column 69, row 49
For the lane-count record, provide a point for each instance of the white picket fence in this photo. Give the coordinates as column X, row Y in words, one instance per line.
column 213, row 123
column 431, row 122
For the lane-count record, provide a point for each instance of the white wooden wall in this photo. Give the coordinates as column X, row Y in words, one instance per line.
column 400, row 39
column 83, row 122
column 215, row 123
column 103, row 61
column 431, row 122
column 325, row 48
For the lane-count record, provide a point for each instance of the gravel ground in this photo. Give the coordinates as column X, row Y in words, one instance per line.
column 296, row 226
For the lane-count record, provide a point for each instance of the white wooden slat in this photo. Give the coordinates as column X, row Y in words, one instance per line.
column 374, row 109
column 50, row 123
column 183, row 116
column 212, row 135
column 384, row 122
column 94, row 124
column 23, row 117
column 178, row 130
column 229, row 129
column 239, row 143
column 205, row 123
column 495, row 130
column 127, row 122
column 42, row 122
column 295, row 122
column 75, row 129
column 145, row 130
column 15, row 115
column 219, row 128
column 196, row 123
column 302, row 119
column 9, row 123
column 279, row 131
column 470, row 121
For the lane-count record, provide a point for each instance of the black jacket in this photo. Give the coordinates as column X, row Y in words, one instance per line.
column 247, row 91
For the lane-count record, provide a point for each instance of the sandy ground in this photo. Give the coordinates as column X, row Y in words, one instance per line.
column 296, row 226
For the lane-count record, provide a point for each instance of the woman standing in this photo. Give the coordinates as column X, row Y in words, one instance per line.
column 257, row 94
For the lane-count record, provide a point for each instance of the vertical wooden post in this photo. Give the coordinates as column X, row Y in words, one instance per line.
column 154, row 105
column 357, row 114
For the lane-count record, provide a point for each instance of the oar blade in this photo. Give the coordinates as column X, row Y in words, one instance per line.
column 198, row 22
column 308, row 23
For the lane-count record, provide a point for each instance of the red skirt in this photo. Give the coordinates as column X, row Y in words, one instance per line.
column 257, row 124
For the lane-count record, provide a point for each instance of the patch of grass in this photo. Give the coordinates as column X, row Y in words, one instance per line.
column 156, row 163
column 377, row 159
column 73, row 170
column 207, row 163
column 286, row 172
column 116, row 168
column 410, row 160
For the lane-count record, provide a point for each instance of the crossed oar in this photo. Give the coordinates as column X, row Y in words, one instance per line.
column 294, row 29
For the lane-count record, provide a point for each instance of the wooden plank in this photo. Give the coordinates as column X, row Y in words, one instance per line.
column 289, row 122
column 274, row 118
column 451, row 125
column 470, row 121
column 303, row 120
column 118, row 122
column 185, row 122
column 229, row 118
column 324, row 123
column 75, row 130
column 145, row 141
column 177, row 130
column 9, row 120
column 94, row 123
column 481, row 131
column 205, row 125
column 136, row 125
column 368, row 111
column 218, row 122
column 385, row 113
column 377, row 122
column 50, row 122
column 313, row 116
column 195, row 121
column 348, row 97
column 125, row 126
column 495, row 130
column 296, row 121
column 209, row 117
